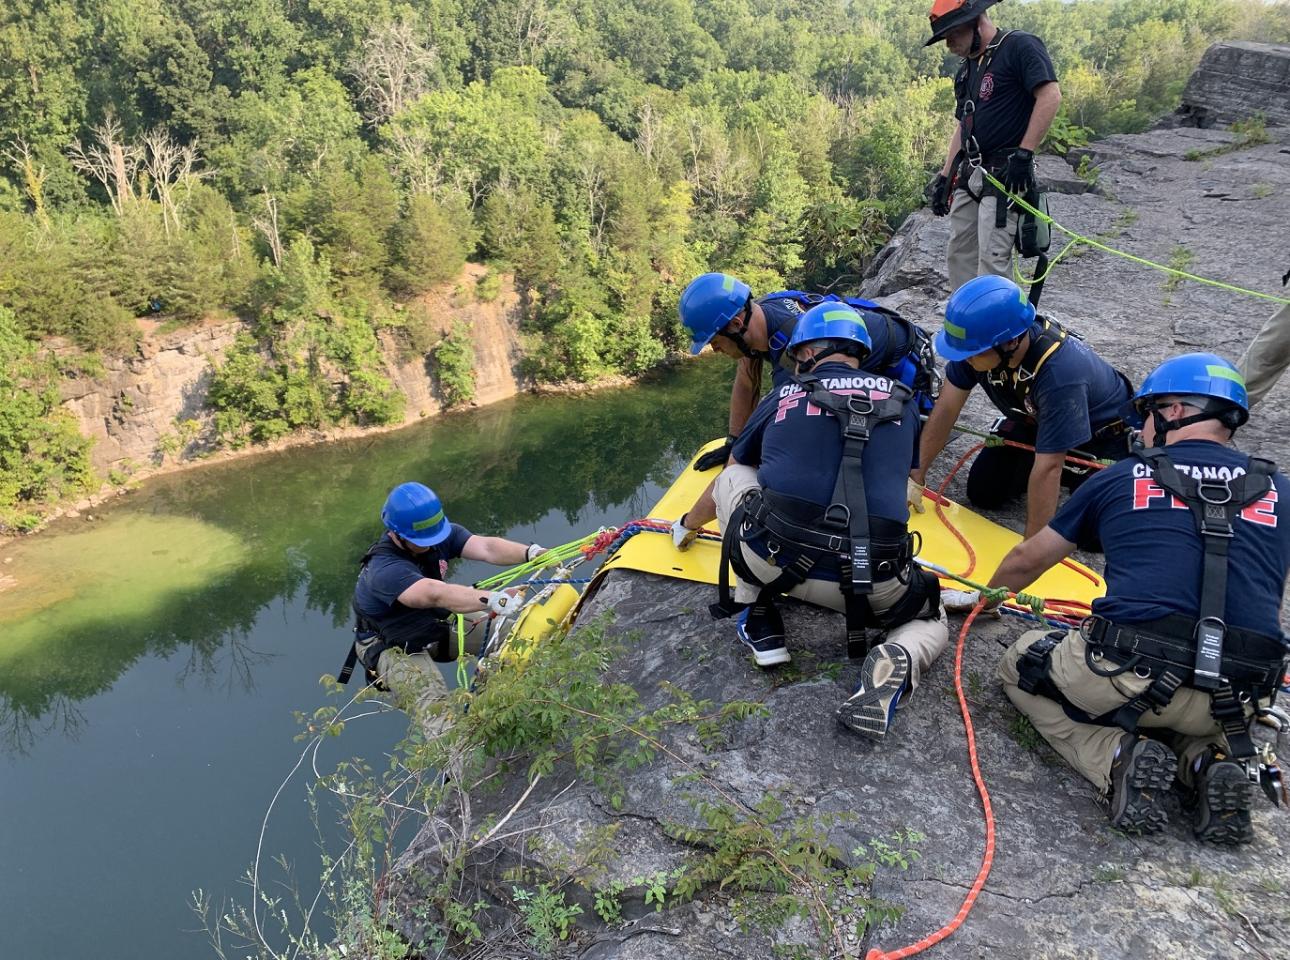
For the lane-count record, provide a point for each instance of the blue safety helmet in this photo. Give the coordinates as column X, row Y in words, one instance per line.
column 982, row 314
column 1194, row 375
column 836, row 322
column 709, row 303
column 414, row 512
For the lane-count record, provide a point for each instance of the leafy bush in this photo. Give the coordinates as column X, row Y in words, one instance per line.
column 43, row 457
column 454, row 359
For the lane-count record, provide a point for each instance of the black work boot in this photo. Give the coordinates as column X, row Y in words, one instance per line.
column 1222, row 802
column 1141, row 773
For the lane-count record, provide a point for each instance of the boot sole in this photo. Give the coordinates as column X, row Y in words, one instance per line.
column 1224, row 812
column 866, row 713
column 1151, row 773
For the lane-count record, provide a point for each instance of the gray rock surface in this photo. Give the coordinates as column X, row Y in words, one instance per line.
column 1237, row 80
column 1064, row 885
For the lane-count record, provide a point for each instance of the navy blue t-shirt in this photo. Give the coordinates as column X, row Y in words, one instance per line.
column 781, row 319
column 1007, row 93
column 797, row 447
column 1074, row 394
column 391, row 571
column 1154, row 552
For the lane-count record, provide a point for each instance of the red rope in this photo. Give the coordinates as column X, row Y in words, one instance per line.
column 987, row 861
column 940, row 509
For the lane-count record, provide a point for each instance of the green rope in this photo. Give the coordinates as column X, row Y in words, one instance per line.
column 566, row 551
column 1079, row 238
column 992, row 595
column 463, row 678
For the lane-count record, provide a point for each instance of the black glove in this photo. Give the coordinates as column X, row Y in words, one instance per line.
column 717, row 457
column 1019, row 174
column 938, row 195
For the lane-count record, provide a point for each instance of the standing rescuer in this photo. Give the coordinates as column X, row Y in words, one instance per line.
column 1055, row 394
column 1006, row 96
column 1186, row 645
column 813, row 506
column 405, row 611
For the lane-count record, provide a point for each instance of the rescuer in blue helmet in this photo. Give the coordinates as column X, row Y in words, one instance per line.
column 720, row 310
column 403, row 606
column 812, row 507
column 1056, row 395
column 1186, row 648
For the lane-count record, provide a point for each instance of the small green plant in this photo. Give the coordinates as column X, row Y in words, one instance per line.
column 1108, row 873
column 1180, row 258
column 488, row 287
column 546, row 914
column 609, row 902
column 1127, row 218
column 455, row 360
column 1261, row 191
column 1063, row 135
column 1024, row 733
column 1087, row 172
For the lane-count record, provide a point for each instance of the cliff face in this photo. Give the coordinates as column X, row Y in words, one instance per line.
column 132, row 410
column 1239, row 80
column 1064, row 885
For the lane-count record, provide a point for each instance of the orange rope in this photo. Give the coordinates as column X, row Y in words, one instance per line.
column 987, row 861
column 940, row 509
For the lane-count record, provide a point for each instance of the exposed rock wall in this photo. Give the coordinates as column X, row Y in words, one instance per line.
column 1238, row 80
column 131, row 410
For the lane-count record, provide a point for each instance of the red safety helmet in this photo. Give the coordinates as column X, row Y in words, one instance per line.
column 948, row 14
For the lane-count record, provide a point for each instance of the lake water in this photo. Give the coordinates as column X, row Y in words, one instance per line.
column 151, row 660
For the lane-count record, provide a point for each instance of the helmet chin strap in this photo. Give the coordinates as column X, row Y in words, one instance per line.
column 1005, row 356
column 742, row 345
column 975, row 49
column 1163, row 426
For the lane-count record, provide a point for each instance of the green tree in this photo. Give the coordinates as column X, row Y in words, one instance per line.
column 42, row 455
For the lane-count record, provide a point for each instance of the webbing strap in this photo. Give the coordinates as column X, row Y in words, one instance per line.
column 1214, row 505
column 1019, row 380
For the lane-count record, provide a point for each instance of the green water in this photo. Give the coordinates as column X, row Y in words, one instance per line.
column 150, row 660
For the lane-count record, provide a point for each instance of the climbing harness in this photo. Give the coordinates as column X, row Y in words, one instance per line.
column 432, row 629
column 1235, row 667
column 968, row 83
column 840, row 532
column 1077, row 239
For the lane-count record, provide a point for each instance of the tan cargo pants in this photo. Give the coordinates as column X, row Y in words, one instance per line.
column 1267, row 356
column 977, row 247
column 923, row 640
column 415, row 679
column 1186, row 725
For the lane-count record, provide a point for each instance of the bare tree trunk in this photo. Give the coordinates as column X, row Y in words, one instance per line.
column 33, row 176
column 268, row 227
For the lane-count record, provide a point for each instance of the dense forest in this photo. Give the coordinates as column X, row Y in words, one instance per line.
column 314, row 165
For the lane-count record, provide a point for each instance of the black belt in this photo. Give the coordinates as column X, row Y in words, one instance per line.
column 1252, row 662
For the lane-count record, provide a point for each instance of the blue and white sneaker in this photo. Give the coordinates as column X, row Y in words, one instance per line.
column 765, row 638
column 884, row 680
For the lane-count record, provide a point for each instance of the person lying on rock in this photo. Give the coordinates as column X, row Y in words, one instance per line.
column 1056, row 396
column 1186, row 646
column 720, row 310
column 405, row 610
column 813, row 506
